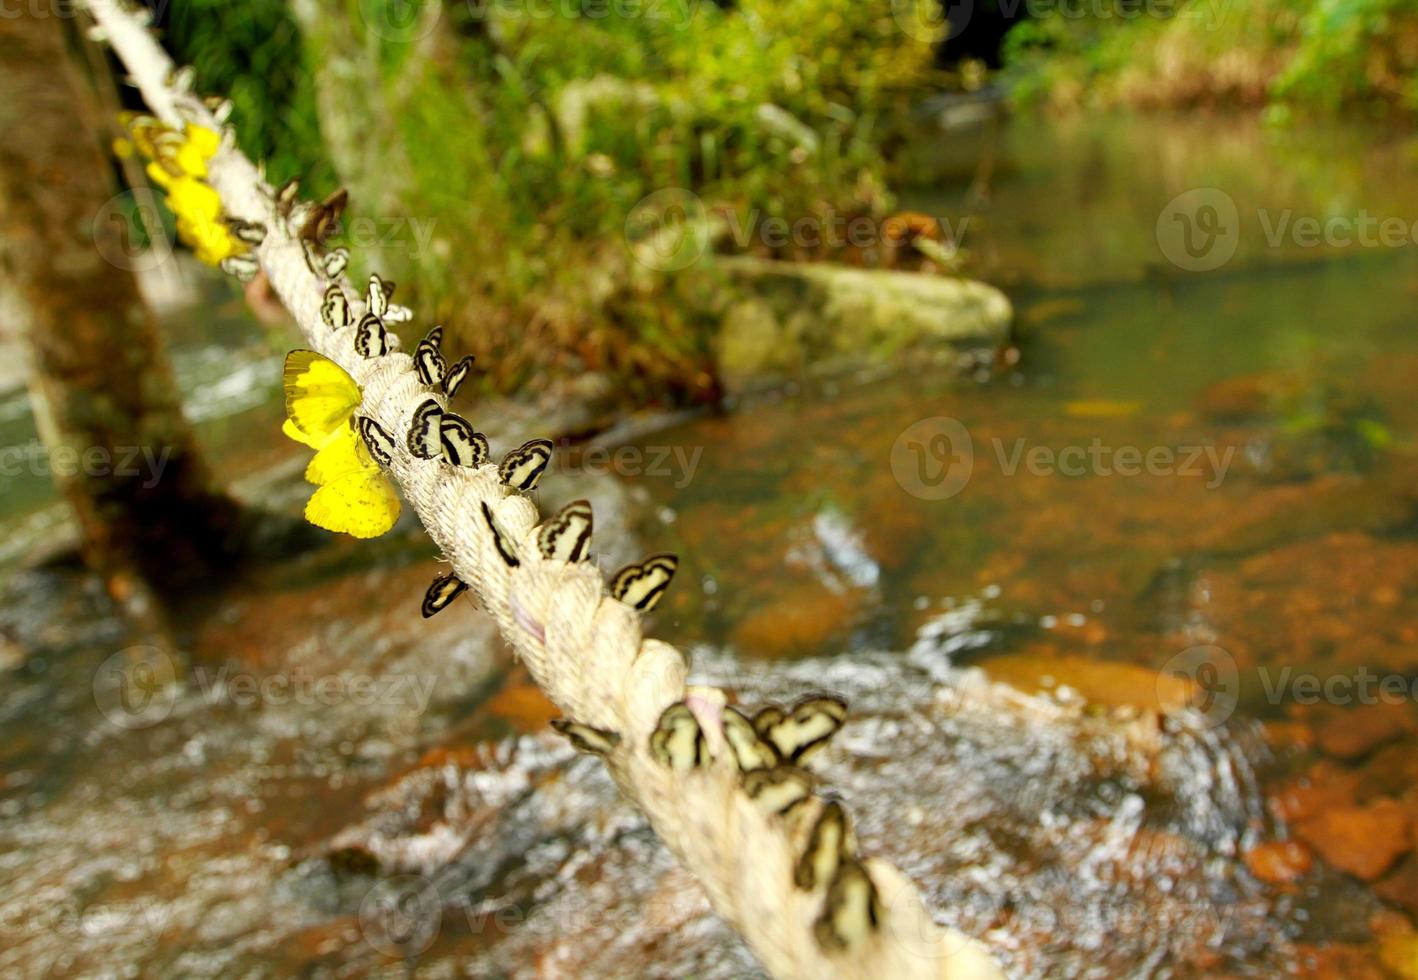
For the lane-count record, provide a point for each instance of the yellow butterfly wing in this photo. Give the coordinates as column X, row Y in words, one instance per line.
column 362, row 504
column 320, row 397
column 344, row 452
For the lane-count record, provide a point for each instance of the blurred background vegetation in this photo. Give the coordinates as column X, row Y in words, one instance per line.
column 522, row 134
column 1287, row 57
column 528, row 133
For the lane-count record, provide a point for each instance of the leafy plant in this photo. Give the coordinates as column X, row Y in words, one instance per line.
column 251, row 52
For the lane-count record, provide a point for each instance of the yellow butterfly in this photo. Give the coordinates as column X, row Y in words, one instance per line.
column 354, row 495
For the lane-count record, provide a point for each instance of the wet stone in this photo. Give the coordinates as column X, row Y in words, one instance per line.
column 1400, row 886
column 1354, row 733
column 1361, row 840
column 1279, row 862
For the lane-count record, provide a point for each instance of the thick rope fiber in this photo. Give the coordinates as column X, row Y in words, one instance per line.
column 584, row 648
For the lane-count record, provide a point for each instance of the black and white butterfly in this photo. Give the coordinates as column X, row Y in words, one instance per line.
column 441, row 593
column 852, row 911
column 286, row 196
column 219, row 107
column 460, row 443
column 425, row 437
column 242, row 267
column 567, row 536
column 379, row 443
column 335, row 309
column 830, row 842
column 505, row 547
column 371, row 339
column 335, row 262
column 319, row 221
column 182, row 79
column 750, row 750
column 780, row 789
column 642, row 585
column 376, row 296
column 677, row 741
column 428, row 359
column 250, row 232
column 454, row 378
column 584, row 738
column 522, row 468
column 804, row 728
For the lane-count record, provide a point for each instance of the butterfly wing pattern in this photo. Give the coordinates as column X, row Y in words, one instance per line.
column 642, row 586
column 441, row 593
column 457, row 374
column 320, row 396
column 352, row 496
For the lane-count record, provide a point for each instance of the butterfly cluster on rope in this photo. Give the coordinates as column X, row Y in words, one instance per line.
column 768, row 750
column 762, row 753
column 355, row 496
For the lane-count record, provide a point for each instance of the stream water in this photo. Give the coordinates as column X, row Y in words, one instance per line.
column 1075, row 602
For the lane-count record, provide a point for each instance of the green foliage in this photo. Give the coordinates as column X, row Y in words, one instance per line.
column 251, row 52
column 1305, row 56
column 1350, row 51
column 531, row 131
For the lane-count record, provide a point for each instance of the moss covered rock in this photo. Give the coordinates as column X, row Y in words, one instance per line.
column 781, row 319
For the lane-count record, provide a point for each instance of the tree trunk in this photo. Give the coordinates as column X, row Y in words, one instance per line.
column 104, row 398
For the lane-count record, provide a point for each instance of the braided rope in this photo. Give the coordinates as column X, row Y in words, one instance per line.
column 583, row 648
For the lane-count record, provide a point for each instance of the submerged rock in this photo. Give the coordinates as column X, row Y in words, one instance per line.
column 1280, row 862
column 1362, row 840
